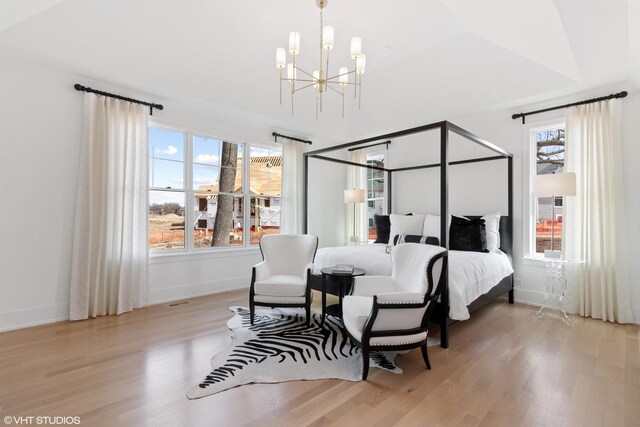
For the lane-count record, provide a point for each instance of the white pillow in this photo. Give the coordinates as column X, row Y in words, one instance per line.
column 405, row 224
column 432, row 225
column 492, row 228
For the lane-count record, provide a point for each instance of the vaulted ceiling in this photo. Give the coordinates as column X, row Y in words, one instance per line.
column 427, row 60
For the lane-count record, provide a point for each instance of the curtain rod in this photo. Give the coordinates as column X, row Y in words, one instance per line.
column 151, row 105
column 387, row 142
column 587, row 101
column 276, row 135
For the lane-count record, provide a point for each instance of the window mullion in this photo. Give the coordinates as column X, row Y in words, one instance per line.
column 189, row 193
column 246, row 199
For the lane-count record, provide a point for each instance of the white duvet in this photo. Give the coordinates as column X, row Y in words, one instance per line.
column 471, row 274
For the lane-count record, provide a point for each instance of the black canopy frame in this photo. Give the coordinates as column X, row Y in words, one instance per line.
column 446, row 129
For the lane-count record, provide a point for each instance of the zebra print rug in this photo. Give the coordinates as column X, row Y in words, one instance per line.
column 280, row 347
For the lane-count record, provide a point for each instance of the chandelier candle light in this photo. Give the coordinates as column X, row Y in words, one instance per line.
column 320, row 79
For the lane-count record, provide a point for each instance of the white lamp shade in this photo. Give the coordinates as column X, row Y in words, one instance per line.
column 343, row 73
column 558, row 184
column 354, row 196
column 281, row 57
column 356, row 47
column 327, row 37
column 294, row 42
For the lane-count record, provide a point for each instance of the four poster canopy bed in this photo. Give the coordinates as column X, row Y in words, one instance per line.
column 474, row 278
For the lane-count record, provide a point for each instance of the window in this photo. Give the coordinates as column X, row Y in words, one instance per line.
column 166, row 189
column 199, row 186
column 547, row 153
column 375, row 190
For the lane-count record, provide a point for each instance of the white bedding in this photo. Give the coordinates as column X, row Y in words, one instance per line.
column 471, row 274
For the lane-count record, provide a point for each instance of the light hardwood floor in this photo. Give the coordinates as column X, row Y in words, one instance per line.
column 503, row 368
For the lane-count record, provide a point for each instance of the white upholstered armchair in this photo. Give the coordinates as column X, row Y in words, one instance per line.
column 282, row 279
column 391, row 313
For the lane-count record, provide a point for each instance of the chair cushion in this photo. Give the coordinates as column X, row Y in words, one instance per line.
column 281, row 285
column 279, row 300
column 399, row 339
column 355, row 312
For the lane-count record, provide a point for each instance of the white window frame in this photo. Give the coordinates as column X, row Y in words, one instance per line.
column 189, row 192
column 530, row 169
column 185, row 174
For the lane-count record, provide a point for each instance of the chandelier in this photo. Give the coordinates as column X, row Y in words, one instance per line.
column 321, row 80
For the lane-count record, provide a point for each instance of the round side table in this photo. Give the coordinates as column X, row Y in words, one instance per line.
column 344, row 281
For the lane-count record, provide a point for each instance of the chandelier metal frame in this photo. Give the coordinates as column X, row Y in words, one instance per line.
column 320, row 79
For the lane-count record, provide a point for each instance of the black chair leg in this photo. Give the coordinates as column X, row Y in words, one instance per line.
column 425, row 356
column 365, row 362
column 308, row 312
column 252, row 310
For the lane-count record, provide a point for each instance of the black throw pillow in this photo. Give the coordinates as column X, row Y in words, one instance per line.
column 468, row 235
column 383, row 228
column 410, row 238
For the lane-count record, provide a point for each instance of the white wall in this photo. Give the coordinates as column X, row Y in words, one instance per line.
column 40, row 135
column 482, row 185
column 327, row 210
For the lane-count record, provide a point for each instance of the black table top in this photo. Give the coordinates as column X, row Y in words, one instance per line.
column 356, row 272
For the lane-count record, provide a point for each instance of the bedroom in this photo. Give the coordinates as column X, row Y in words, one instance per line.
column 439, row 60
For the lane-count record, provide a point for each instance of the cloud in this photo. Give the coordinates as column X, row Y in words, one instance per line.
column 208, row 158
column 170, row 150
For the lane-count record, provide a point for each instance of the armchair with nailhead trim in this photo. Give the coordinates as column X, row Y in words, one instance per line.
column 392, row 313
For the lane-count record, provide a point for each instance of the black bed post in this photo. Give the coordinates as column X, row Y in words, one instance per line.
column 389, row 194
column 305, row 191
column 510, row 209
column 444, row 227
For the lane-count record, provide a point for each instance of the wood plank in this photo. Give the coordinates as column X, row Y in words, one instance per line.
column 503, row 368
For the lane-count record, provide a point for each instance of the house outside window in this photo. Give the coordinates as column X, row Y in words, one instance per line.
column 375, row 190
column 199, row 187
column 547, row 157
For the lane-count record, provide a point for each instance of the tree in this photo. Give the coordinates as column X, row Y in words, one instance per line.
column 550, row 147
column 168, row 207
column 224, row 211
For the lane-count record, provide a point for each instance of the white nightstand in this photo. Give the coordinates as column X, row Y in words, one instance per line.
column 555, row 287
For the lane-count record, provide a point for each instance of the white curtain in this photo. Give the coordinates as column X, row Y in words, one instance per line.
column 110, row 255
column 291, row 213
column 357, row 179
column 594, row 228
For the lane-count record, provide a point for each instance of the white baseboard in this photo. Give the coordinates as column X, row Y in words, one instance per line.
column 192, row 290
column 529, row 297
column 36, row 316
column 536, row 298
column 25, row 318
